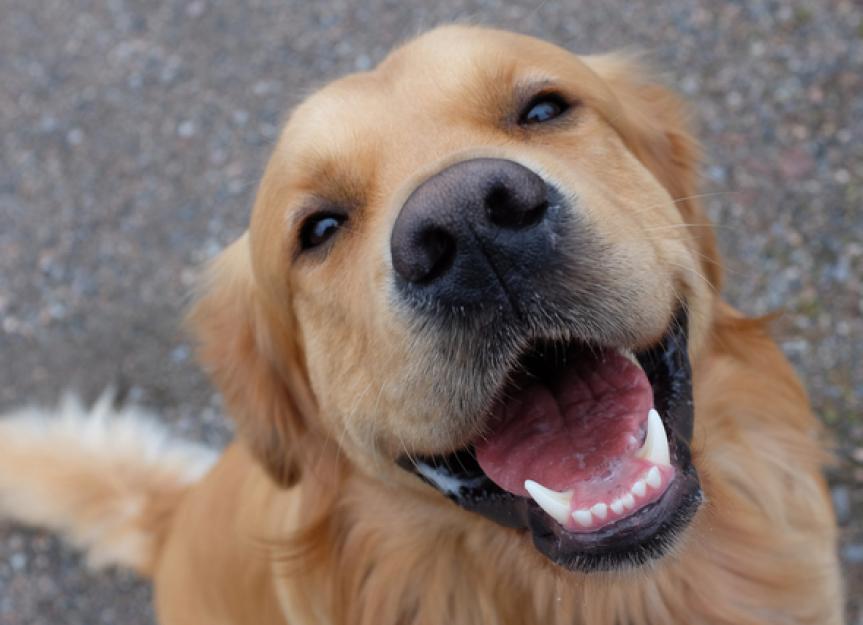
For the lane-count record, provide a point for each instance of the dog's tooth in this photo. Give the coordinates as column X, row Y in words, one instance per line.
column 555, row 504
column 653, row 478
column 655, row 447
column 599, row 510
column 617, row 506
column 583, row 517
column 626, row 353
column 628, row 501
column 639, row 488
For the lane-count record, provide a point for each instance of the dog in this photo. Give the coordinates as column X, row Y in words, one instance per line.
column 480, row 370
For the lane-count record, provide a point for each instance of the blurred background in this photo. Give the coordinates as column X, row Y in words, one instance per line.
column 133, row 134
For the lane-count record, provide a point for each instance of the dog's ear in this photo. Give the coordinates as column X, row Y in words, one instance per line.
column 654, row 123
column 251, row 356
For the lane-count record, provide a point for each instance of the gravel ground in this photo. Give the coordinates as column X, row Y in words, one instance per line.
column 133, row 134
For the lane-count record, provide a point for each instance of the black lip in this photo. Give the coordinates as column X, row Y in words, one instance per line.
column 631, row 541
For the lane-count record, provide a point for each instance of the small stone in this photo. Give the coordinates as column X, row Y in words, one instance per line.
column 363, row 63
column 18, row 561
column 796, row 163
column 853, row 554
column 842, row 504
column 240, row 117
column 75, row 136
column 196, row 8
column 180, row 353
column 186, row 128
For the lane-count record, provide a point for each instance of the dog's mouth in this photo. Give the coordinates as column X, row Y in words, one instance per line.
column 588, row 448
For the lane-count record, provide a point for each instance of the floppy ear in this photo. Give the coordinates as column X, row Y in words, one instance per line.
column 251, row 356
column 654, row 123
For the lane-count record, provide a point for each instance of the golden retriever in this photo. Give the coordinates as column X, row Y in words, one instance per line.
column 481, row 373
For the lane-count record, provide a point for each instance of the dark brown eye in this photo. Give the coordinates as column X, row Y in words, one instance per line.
column 318, row 228
column 543, row 108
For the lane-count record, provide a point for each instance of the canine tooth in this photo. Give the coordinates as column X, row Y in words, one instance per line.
column 616, row 506
column 583, row 517
column 629, row 356
column 599, row 510
column 628, row 501
column 555, row 504
column 639, row 488
column 653, row 478
column 655, row 447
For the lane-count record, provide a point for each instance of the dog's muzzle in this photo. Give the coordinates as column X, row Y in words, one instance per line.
column 585, row 444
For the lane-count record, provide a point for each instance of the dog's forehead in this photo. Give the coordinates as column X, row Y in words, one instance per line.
column 450, row 50
column 430, row 75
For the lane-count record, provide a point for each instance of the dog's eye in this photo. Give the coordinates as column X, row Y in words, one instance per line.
column 543, row 108
column 318, row 228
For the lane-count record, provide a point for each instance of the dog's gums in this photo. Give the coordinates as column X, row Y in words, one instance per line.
column 588, row 448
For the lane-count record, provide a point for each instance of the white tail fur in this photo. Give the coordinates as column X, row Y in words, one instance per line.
column 107, row 479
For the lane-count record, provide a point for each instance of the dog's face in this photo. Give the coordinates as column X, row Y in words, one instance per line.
column 476, row 263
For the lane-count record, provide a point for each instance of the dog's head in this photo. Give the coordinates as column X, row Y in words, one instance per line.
column 482, row 262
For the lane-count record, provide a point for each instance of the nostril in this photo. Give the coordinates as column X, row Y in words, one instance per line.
column 498, row 203
column 438, row 250
column 426, row 255
column 507, row 209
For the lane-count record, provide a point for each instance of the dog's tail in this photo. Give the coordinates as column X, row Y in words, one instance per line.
column 107, row 479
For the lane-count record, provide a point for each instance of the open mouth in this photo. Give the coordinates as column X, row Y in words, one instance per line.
column 587, row 447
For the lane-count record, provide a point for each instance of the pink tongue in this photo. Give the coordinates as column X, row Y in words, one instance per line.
column 577, row 432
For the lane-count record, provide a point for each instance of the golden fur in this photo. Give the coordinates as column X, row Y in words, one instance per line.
column 305, row 519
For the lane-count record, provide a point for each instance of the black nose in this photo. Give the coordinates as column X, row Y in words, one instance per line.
column 474, row 232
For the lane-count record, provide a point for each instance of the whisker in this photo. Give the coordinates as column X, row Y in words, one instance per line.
column 699, row 196
column 678, row 200
column 708, row 226
column 351, row 413
column 696, row 273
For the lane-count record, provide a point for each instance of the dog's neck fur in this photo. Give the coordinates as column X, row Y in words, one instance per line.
column 387, row 561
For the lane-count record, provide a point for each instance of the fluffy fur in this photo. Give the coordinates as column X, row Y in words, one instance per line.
column 106, row 478
column 305, row 518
